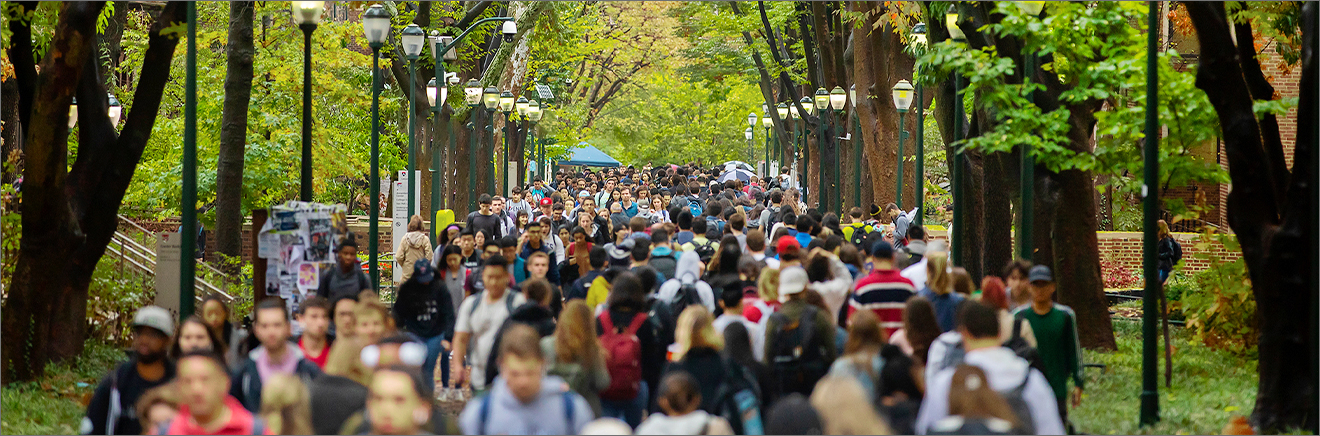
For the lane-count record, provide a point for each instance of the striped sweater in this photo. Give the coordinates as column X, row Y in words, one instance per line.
column 884, row 292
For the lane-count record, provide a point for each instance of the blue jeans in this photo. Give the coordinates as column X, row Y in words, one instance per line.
column 1164, row 275
column 629, row 411
column 435, row 351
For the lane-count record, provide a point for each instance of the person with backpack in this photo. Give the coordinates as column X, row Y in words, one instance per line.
column 974, row 408
column 423, row 307
column 574, row 353
column 535, row 313
column 901, row 220
column 479, row 319
column 701, row 243
column 685, row 233
column 861, row 359
column 714, row 216
column 663, row 258
column 680, row 401
column 634, row 353
column 687, row 288
column 207, row 408
column 799, row 338
column 111, row 408
column 1170, row 251
column 857, row 229
column 523, row 399
column 770, row 216
column 580, row 289
column 1055, row 328
column 1024, row 389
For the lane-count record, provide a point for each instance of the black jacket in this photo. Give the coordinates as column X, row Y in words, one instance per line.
column 125, row 383
column 334, row 400
column 425, row 309
column 708, row 368
column 246, row 383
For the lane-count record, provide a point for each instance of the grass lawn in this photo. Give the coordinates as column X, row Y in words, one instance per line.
column 1209, row 387
column 55, row 404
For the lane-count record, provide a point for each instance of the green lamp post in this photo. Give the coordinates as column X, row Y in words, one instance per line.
column 858, row 142
column 951, row 19
column 838, row 99
column 490, row 99
column 188, row 197
column 412, row 39
column 902, row 101
column 507, row 102
column 820, row 102
column 472, row 96
column 919, row 38
column 307, row 15
column 376, row 25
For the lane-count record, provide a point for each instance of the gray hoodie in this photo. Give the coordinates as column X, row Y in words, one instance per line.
column 1005, row 372
column 688, row 271
column 546, row 414
column 695, row 423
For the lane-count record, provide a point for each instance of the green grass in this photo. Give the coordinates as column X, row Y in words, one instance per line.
column 54, row 404
column 1209, row 387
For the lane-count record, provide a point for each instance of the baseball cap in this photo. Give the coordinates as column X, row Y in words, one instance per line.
column 155, row 317
column 422, row 271
column 546, row 201
column 584, row 193
column 882, row 250
column 1040, row 273
column 792, row 280
column 787, row 243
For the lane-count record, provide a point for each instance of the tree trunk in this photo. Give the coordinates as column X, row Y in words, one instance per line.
column 878, row 62
column 110, row 43
column 1275, row 229
column 70, row 214
column 233, row 130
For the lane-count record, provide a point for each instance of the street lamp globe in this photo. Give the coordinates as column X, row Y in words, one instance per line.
column 747, row 134
column 432, row 90
column 919, row 34
column 521, row 105
column 793, row 112
column 852, row 95
column 951, row 20
column 307, row 12
column 811, row 108
column 472, row 92
column 751, row 119
column 782, row 110
column 838, row 98
column 413, row 40
column 822, row 98
column 490, row 97
column 114, row 110
column 534, row 111
column 73, row 113
column 1031, row 8
column 376, row 25
column 767, row 122
column 902, row 95
column 506, row 102
column 765, row 110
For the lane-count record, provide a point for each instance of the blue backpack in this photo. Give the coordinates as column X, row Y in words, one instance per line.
column 694, row 206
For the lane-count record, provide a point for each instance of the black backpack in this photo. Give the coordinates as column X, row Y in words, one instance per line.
column 1025, row 425
column 687, row 295
column 1023, row 349
column 739, row 400
column 798, row 357
column 704, row 251
column 859, row 236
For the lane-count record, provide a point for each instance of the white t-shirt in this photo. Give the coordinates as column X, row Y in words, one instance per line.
column 916, row 273
column 483, row 323
column 753, row 329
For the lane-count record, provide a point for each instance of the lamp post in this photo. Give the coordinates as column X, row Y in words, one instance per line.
column 767, row 123
column 376, row 25
column 783, row 112
column 919, row 38
column 307, row 15
column 436, row 95
column 750, row 133
column 506, row 104
column 820, row 102
column 857, row 146
column 188, row 196
column 490, row 98
column 951, row 19
column 472, row 96
column 534, row 116
column 1027, row 177
column 114, row 109
column 520, row 107
column 806, row 133
column 1150, row 398
column 902, row 100
column 838, row 99
column 413, row 39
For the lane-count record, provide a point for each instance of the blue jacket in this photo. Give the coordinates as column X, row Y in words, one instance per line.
column 946, row 307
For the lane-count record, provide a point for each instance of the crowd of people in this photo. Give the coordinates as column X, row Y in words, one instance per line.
column 629, row 300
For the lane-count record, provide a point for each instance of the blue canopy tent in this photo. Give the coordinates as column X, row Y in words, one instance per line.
column 586, row 155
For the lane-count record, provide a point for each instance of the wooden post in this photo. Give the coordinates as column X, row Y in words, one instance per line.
column 258, row 263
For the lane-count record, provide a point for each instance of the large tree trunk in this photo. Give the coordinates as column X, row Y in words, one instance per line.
column 69, row 215
column 233, row 130
column 879, row 61
column 1270, row 210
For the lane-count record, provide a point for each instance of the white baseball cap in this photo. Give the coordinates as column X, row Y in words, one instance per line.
column 792, row 280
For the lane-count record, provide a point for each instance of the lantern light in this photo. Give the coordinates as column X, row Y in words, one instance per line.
column 534, row 111
column 521, row 105
column 919, row 34
column 472, row 92
column 490, row 97
column 902, row 96
column 751, row 119
column 376, row 25
column 807, row 104
column 307, row 12
column 413, row 40
column 506, row 102
column 1031, row 8
column 951, row 19
column 73, row 113
column 852, row 95
column 114, row 110
column 838, row 98
column 782, row 110
column 822, row 100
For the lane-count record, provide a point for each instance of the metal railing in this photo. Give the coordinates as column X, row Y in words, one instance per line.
column 138, row 256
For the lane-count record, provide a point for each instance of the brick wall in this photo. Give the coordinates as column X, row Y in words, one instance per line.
column 1125, row 247
column 1285, row 81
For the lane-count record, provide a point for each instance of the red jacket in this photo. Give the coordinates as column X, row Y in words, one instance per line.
column 240, row 421
column 884, row 292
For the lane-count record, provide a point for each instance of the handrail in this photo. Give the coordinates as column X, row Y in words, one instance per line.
column 149, row 233
column 128, row 246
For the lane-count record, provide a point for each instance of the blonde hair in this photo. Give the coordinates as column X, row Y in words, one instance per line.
column 695, row 329
column 767, row 286
column 938, row 274
column 286, row 405
column 345, row 361
column 845, row 409
column 575, row 336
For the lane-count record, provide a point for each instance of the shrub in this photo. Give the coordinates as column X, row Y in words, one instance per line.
column 1222, row 313
column 1117, row 275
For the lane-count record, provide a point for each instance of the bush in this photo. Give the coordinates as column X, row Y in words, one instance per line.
column 114, row 295
column 1222, row 313
column 1117, row 275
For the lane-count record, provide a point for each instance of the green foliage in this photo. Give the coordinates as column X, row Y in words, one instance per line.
column 1223, row 313
column 1210, row 387
column 116, row 292
column 53, row 404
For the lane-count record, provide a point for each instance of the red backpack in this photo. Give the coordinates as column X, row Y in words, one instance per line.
column 624, row 358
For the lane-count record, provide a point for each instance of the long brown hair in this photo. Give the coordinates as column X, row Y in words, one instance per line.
column 575, row 335
column 1163, row 229
column 970, row 396
column 864, row 334
column 920, row 327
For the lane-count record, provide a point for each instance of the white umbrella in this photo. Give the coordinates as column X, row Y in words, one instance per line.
column 740, row 164
column 736, row 173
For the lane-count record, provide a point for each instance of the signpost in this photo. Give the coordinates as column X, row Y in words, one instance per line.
column 169, row 255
